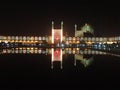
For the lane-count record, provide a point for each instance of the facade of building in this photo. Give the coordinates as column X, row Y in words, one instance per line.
column 33, row 44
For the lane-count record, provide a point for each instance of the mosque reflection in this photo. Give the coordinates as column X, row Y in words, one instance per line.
column 85, row 56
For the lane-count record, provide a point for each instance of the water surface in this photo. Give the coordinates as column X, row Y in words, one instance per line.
column 80, row 68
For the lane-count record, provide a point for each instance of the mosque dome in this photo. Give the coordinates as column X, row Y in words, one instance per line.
column 87, row 28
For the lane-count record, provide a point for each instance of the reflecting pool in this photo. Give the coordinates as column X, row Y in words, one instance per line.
column 56, row 67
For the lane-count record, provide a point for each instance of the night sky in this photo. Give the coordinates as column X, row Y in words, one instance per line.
column 34, row 18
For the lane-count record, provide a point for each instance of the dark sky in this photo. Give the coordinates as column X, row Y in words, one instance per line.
column 34, row 18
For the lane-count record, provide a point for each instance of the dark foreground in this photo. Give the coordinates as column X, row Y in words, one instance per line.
column 33, row 71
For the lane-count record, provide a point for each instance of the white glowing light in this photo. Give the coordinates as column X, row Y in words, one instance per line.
column 52, row 35
column 52, row 54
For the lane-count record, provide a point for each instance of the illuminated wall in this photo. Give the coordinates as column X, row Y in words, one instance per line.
column 57, row 54
column 57, row 34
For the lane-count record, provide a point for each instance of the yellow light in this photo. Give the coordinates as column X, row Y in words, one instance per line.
column 6, row 41
column 61, row 35
column 20, row 48
column 28, row 48
column 52, row 35
column 73, row 51
column 89, row 42
column 67, row 42
column 109, row 42
column 77, row 48
column 78, row 42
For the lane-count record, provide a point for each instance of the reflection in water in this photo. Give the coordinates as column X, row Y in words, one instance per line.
column 85, row 60
column 49, row 51
column 56, row 56
column 85, row 56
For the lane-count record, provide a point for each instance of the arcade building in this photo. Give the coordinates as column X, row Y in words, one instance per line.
column 82, row 38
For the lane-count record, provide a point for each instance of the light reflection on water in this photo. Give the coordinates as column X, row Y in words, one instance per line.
column 49, row 51
column 85, row 56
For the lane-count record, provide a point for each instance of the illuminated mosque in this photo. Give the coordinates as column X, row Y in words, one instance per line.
column 33, row 44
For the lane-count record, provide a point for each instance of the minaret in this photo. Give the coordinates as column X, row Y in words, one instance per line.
column 61, row 31
column 75, row 29
column 61, row 66
column 52, row 32
column 61, row 24
column 52, row 58
column 52, row 43
column 52, row 24
column 74, row 61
